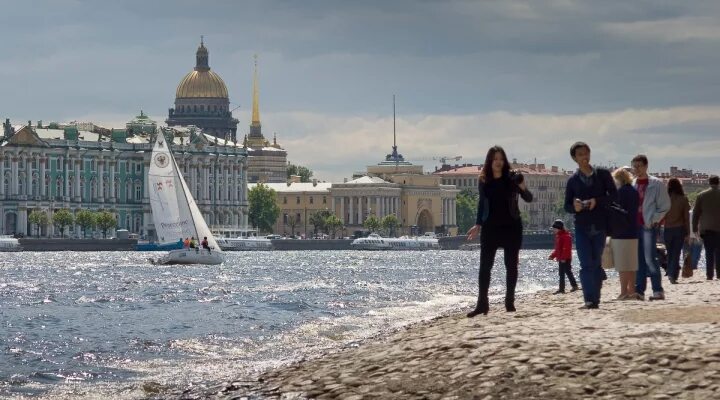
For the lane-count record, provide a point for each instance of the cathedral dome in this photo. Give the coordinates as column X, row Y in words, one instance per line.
column 201, row 82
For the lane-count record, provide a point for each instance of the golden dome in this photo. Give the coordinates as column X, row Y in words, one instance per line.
column 201, row 84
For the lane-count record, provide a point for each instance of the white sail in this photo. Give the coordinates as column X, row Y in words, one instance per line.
column 175, row 214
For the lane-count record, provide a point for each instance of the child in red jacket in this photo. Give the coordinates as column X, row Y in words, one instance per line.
column 563, row 254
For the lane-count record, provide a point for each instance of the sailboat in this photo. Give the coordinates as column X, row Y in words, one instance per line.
column 174, row 211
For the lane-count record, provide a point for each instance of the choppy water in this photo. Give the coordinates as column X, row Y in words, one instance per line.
column 104, row 324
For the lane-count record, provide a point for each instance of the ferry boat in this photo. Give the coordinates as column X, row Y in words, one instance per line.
column 377, row 242
column 9, row 243
column 243, row 240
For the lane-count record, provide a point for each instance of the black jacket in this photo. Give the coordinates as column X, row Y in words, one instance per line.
column 604, row 192
column 484, row 205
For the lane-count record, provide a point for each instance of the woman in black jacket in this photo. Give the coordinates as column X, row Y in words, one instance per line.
column 499, row 224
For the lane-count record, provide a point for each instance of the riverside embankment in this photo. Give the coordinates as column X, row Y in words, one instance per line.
column 548, row 349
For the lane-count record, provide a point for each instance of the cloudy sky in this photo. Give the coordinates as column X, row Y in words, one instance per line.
column 533, row 76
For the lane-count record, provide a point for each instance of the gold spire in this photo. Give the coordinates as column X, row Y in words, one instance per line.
column 255, row 105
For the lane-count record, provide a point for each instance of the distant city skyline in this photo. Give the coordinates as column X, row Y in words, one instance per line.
column 532, row 76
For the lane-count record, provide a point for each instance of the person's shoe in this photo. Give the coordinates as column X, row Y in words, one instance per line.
column 639, row 296
column 559, row 292
column 621, row 297
column 673, row 281
column 481, row 309
column 631, row 296
column 510, row 305
column 589, row 306
column 574, row 289
column 657, row 296
column 709, row 279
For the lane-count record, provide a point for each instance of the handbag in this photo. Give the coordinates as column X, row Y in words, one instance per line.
column 687, row 270
column 607, row 255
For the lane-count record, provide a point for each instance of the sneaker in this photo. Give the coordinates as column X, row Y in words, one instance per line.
column 657, row 296
column 560, row 292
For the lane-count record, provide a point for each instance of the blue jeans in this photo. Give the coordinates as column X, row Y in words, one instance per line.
column 647, row 261
column 674, row 240
column 589, row 244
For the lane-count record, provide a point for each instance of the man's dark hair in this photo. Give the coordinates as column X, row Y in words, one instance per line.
column 641, row 158
column 578, row 145
column 714, row 180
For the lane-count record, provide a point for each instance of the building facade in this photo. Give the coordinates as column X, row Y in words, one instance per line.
column 547, row 185
column 202, row 100
column 50, row 169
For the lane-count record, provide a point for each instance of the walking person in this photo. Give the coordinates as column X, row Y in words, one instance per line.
column 706, row 221
column 563, row 254
column 654, row 204
column 499, row 217
column 588, row 194
column 624, row 233
column 677, row 227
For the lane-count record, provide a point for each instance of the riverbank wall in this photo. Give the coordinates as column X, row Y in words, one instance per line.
column 44, row 244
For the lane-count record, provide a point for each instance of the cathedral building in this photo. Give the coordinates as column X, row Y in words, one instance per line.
column 202, row 100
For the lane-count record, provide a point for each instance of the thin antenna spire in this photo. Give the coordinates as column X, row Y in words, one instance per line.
column 394, row 136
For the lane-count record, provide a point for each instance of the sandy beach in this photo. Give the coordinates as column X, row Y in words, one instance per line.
column 548, row 349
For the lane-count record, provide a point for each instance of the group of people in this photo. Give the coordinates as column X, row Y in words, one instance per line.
column 628, row 209
column 190, row 243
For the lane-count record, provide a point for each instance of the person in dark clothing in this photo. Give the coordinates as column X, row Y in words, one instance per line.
column 677, row 227
column 587, row 195
column 623, row 231
column 563, row 254
column 499, row 224
column 706, row 222
column 205, row 244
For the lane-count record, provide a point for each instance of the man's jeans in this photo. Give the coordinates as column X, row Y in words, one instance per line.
column 647, row 261
column 674, row 240
column 589, row 244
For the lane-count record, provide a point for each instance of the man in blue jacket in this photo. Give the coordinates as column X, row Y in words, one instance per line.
column 587, row 195
column 654, row 204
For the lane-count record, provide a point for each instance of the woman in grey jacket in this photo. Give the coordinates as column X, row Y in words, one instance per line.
column 499, row 217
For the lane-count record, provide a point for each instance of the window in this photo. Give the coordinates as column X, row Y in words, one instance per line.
column 285, row 219
column 7, row 162
column 138, row 168
column 93, row 167
column 297, row 200
column 59, row 187
column 297, row 218
column 35, row 164
column 82, row 165
column 311, row 200
column 324, row 199
column 7, row 186
column 285, row 200
column 138, row 191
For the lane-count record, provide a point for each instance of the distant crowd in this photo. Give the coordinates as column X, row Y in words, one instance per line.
column 618, row 218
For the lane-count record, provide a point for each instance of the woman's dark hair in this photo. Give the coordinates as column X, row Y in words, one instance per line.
column 489, row 160
column 674, row 186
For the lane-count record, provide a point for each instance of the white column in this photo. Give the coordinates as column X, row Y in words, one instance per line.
column 452, row 212
column 146, row 193
column 342, row 209
column 101, row 181
column 66, row 177
column 206, row 182
column 2, row 185
column 14, row 177
column 28, row 177
column 332, row 202
column 111, row 181
column 76, row 193
column 43, row 160
column 369, row 209
column 193, row 181
column 352, row 215
column 378, row 207
column 217, row 179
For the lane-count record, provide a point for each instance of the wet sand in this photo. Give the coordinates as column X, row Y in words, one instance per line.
column 548, row 349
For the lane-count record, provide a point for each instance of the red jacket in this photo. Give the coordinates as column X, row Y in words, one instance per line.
column 563, row 246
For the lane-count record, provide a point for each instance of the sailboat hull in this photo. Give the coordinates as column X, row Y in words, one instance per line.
column 191, row 256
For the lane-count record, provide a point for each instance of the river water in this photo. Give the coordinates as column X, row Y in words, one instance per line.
column 106, row 324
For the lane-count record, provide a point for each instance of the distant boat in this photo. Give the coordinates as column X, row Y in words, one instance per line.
column 9, row 243
column 174, row 212
column 244, row 240
column 377, row 242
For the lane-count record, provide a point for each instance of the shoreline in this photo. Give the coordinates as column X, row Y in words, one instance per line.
column 549, row 349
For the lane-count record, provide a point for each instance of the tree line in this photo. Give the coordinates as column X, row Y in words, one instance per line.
column 64, row 218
